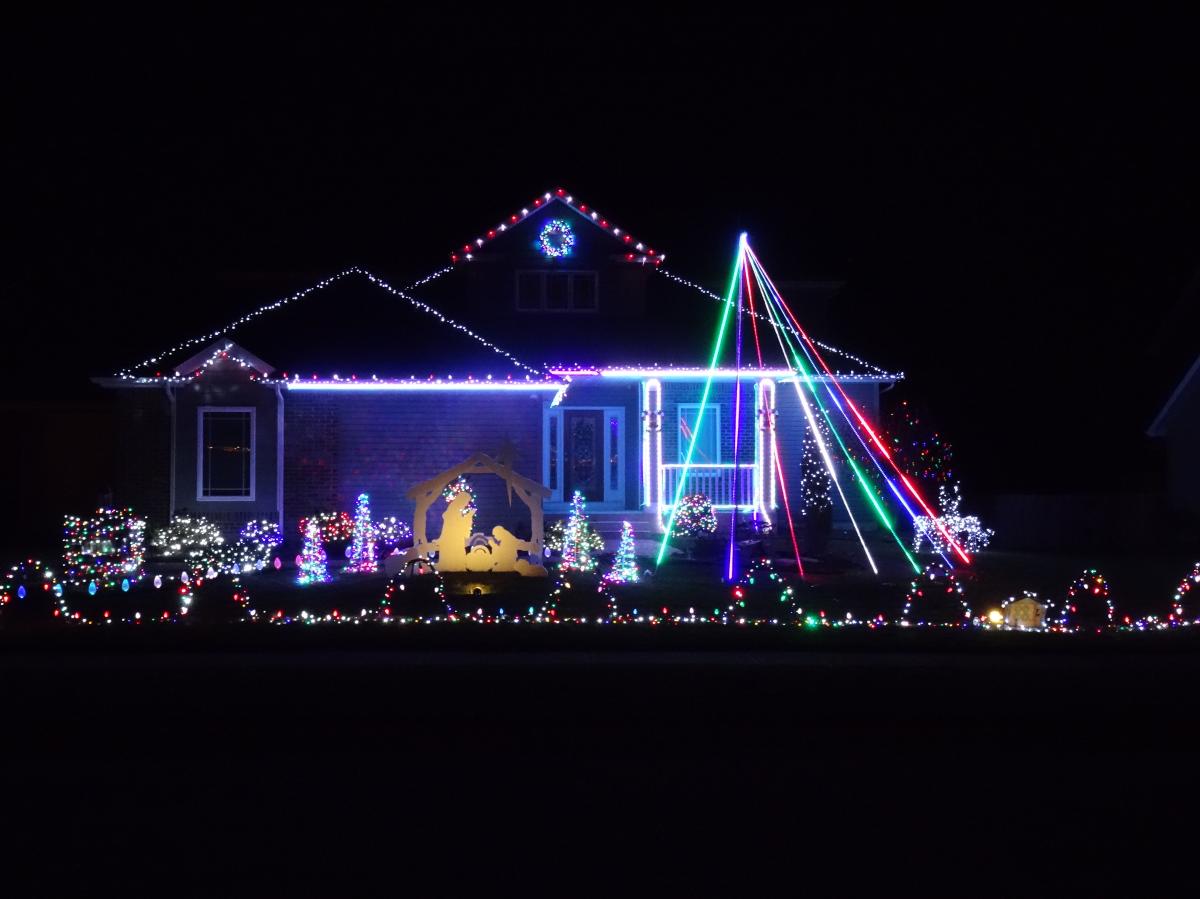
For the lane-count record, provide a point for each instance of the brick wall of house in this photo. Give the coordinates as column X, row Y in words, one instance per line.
column 338, row 445
column 791, row 427
column 142, row 472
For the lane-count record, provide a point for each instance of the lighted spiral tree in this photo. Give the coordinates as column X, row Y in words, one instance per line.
column 362, row 548
column 314, row 565
column 577, row 541
column 936, row 598
column 624, row 567
column 1088, row 606
column 1181, row 609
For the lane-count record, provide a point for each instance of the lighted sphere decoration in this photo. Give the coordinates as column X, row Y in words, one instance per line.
column 1088, row 606
column 557, row 239
column 762, row 594
column 937, row 598
column 1180, row 609
column 695, row 516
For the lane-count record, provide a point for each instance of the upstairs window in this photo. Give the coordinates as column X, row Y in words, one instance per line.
column 226, row 453
column 557, row 291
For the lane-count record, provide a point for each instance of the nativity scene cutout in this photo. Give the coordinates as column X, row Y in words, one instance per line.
column 458, row 548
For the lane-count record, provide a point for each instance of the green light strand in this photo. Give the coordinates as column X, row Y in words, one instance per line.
column 716, row 355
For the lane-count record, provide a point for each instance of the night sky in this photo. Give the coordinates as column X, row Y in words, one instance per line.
column 1011, row 202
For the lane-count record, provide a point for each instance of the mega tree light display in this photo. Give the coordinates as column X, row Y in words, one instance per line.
column 823, row 399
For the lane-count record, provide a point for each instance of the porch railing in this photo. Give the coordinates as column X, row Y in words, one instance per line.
column 720, row 483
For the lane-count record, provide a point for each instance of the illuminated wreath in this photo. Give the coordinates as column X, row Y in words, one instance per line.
column 556, row 239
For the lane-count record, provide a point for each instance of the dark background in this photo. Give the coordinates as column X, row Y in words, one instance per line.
column 1010, row 198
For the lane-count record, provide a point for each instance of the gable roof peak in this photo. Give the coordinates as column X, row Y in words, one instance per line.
column 635, row 250
column 223, row 350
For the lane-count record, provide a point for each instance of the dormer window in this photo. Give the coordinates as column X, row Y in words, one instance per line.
column 557, row 291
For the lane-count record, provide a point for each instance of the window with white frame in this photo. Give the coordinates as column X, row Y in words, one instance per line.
column 557, row 291
column 708, row 446
column 225, row 462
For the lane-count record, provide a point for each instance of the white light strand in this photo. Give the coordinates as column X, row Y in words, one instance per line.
column 892, row 376
column 261, row 310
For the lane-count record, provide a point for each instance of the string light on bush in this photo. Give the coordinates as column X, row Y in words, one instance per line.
column 192, row 538
column 103, row 550
column 334, row 527
column 695, row 516
column 257, row 542
column 392, row 533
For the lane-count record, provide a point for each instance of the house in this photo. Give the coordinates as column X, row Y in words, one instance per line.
column 550, row 339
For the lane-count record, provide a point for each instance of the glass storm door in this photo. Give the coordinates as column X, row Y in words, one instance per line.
column 584, row 454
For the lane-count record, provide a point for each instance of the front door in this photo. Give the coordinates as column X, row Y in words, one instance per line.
column 583, row 456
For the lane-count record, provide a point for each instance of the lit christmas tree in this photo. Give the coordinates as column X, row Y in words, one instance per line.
column 624, row 568
column 314, row 568
column 577, row 550
column 362, row 550
column 918, row 449
column 815, row 483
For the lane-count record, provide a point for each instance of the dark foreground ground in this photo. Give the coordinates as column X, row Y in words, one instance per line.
column 317, row 761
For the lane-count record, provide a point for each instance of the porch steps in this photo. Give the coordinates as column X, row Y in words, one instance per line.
column 608, row 524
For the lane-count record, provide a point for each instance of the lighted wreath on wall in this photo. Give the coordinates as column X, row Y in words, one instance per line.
column 556, row 239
